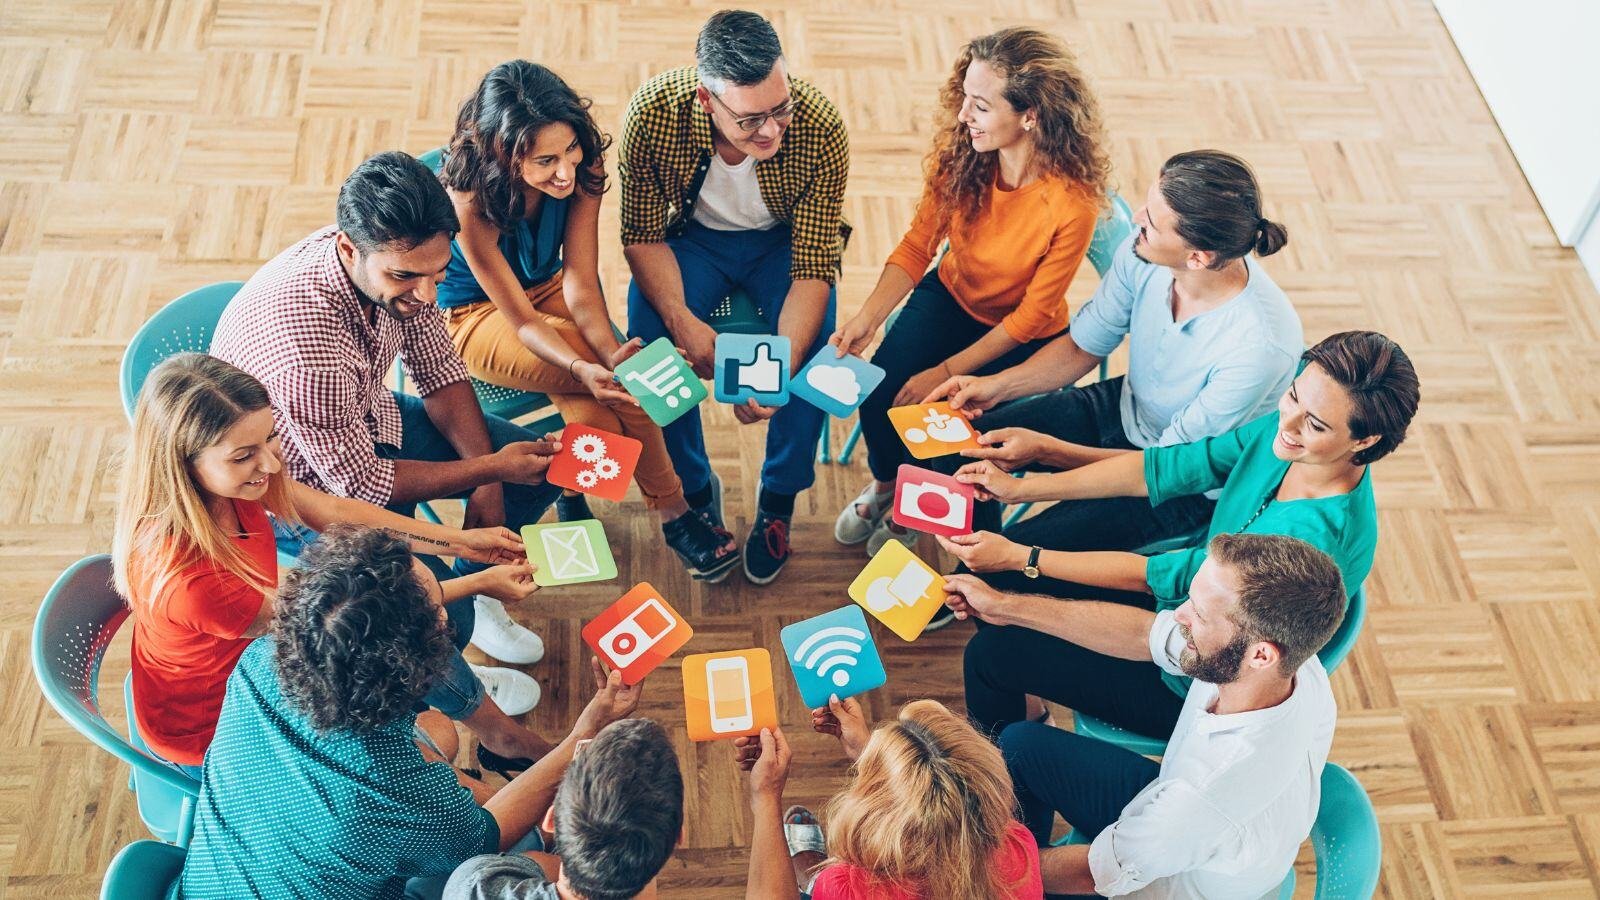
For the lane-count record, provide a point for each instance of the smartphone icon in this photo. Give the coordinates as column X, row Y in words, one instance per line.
column 728, row 687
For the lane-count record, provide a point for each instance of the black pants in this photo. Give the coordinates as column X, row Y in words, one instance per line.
column 1090, row 416
column 1004, row 664
column 929, row 330
column 1087, row 781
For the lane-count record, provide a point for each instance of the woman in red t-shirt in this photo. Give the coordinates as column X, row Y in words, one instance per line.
column 928, row 814
column 194, row 552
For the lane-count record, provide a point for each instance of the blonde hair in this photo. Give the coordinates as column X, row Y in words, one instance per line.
column 928, row 807
column 187, row 404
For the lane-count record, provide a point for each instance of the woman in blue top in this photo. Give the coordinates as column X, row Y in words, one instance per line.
column 525, row 170
column 1302, row 471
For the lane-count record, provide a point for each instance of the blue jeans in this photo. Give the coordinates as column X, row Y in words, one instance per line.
column 713, row 264
column 931, row 328
column 458, row 694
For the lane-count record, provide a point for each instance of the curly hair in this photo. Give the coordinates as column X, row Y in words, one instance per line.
column 359, row 639
column 496, row 129
column 1041, row 74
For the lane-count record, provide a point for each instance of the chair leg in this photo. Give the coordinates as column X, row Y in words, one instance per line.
column 849, row 444
column 186, row 822
column 1016, row 514
column 428, row 514
column 824, row 442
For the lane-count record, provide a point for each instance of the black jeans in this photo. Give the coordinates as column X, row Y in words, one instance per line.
column 1090, row 416
column 929, row 330
column 1087, row 781
column 1004, row 664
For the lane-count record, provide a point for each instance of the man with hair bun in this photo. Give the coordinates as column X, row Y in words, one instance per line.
column 1212, row 344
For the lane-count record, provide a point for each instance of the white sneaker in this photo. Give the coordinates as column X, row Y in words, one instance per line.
column 514, row 692
column 883, row 534
column 853, row 528
column 501, row 638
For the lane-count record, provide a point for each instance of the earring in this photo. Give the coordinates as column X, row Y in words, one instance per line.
column 1027, row 126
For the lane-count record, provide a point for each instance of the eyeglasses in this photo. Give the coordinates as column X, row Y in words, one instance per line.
column 748, row 124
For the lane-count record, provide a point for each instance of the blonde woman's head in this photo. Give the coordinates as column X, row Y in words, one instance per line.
column 930, row 796
column 202, row 432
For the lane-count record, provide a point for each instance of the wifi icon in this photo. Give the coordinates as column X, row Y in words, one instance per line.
column 833, row 654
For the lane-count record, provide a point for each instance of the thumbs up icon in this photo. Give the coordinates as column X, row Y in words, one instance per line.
column 763, row 374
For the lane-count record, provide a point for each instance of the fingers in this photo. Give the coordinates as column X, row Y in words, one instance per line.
column 948, row 388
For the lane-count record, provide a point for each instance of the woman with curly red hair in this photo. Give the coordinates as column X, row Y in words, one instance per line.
column 1015, row 183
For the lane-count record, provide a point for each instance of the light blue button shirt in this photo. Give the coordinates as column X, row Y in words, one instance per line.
column 1200, row 377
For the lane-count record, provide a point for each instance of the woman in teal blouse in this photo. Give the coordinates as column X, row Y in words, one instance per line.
column 1302, row 471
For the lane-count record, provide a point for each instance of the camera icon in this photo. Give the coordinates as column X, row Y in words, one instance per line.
column 934, row 504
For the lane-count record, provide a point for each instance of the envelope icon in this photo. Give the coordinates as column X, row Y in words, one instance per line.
column 569, row 552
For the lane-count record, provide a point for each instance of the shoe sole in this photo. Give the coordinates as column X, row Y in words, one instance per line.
column 936, row 624
column 760, row 581
column 713, row 576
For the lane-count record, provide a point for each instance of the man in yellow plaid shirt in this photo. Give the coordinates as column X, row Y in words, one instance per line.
column 733, row 176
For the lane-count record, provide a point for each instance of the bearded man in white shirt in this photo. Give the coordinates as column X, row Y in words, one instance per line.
column 1225, row 811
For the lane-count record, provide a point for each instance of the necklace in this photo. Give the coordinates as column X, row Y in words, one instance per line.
column 1265, row 502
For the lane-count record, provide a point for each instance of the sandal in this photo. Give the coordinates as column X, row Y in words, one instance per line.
column 507, row 767
column 803, row 837
column 853, row 528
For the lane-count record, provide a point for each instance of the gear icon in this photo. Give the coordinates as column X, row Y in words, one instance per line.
column 607, row 469
column 589, row 448
column 587, row 478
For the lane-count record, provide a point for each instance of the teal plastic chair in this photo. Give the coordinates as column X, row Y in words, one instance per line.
column 1109, row 233
column 143, row 870
column 1344, row 837
column 737, row 313
column 183, row 326
column 1346, row 840
column 1332, row 655
column 77, row 620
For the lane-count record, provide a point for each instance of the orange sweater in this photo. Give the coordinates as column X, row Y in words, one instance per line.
column 1012, row 266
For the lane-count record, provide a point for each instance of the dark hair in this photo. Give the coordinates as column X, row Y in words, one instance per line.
column 619, row 810
column 496, row 129
column 1290, row 593
column 359, row 639
column 1382, row 384
column 393, row 201
column 1218, row 204
column 736, row 47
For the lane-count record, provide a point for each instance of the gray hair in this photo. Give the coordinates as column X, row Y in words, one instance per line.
column 735, row 47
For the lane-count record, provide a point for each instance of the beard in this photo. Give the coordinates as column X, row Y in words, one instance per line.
column 366, row 295
column 1220, row 667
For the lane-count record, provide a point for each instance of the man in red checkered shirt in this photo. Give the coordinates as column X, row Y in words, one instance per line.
column 321, row 326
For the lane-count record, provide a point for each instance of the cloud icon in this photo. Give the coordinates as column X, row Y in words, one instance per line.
column 837, row 382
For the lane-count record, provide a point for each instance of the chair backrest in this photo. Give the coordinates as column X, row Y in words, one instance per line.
column 183, row 326
column 143, row 870
column 1345, row 837
column 77, row 620
column 433, row 159
column 1109, row 233
column 1343, row 641
column 737, row 313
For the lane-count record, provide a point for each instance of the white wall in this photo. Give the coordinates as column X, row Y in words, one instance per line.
column 1537, row 63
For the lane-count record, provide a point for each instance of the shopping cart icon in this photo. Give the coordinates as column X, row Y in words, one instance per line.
column 662, row 381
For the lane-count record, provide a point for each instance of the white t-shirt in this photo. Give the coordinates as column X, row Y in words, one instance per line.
column 1236, row 796
column 730, row 198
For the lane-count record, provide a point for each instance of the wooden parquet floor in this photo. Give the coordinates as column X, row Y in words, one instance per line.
column 150, row 146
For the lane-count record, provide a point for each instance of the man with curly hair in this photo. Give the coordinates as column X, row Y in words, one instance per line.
column 315, row 785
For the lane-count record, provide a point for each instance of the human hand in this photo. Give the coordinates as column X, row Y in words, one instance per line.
column 524, row 462
column 493, row 545
column 486, row 507
column 749, row 412
column 970, row 596
column 971, row 394
column 512, row 583
column 922, row 384
column 620, row 355
column 853, row 336
column 612, row 701
column 601, row 383
column 985, row 551
column 766, row 757
column 1010, row 448
column 697, row 341
column 844, row 720
column 990, row 482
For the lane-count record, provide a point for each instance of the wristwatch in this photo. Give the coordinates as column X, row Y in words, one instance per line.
column 1031, row 568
